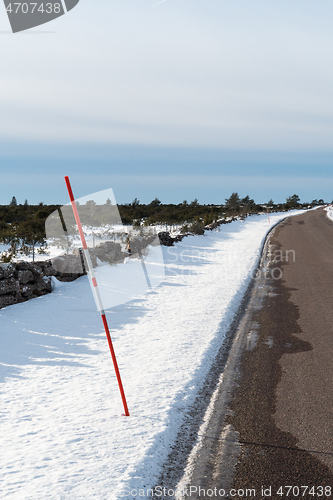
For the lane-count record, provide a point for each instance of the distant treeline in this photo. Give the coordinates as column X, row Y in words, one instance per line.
column 158, row 213
column 24, row 225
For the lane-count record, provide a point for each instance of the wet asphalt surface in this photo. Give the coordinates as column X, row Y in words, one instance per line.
column 282, row 409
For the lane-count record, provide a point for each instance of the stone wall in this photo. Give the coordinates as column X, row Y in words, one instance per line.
column 21, row 281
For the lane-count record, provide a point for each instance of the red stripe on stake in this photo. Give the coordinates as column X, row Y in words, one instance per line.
column 94, row 282
column 115, row 364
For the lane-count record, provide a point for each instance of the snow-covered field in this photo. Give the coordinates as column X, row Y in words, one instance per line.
column 62, row 432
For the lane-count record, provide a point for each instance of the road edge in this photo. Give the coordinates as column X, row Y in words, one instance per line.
column 214, row 431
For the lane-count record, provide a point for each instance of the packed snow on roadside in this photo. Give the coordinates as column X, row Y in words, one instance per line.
column 63, row 435
column 329, row 212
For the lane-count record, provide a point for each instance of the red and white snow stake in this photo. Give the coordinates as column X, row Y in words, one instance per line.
column 268, row 217
column 97, row 294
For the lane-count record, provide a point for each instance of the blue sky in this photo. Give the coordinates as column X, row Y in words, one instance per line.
column 179, row 99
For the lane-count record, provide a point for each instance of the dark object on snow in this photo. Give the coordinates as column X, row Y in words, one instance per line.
column 21, row 281
column 167, row 240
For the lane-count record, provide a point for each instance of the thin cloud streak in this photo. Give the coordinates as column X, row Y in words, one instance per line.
column 158, row 3
column 227, row 77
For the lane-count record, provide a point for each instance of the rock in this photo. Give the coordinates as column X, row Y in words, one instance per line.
column 47, row 268
column 167, row 240
column 67, row 264
column 8, row 300
column 108, row 252
column 26, row 280
column 179, row 238
column 36, row 270
column 27, row 292
column 25, row 276
column 42, row 287
column 22, row 266
column 9, row 286
column 7, row 271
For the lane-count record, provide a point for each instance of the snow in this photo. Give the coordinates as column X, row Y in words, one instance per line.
column 329, row 212
column 118, row 284
column 62, row 432
column 40, row 254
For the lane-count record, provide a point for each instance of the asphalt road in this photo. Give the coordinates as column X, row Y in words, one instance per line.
column 283, row 407
column 272, row 424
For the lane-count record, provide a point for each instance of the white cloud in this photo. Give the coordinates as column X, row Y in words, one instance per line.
column 185, row 73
